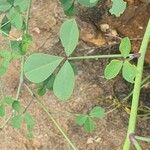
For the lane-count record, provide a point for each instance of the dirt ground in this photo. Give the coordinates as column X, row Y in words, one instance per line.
column 91, row 88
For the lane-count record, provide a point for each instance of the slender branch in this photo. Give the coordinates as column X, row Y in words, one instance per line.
column 145, row 139
column 21, row 78
column 98, row 57
column 51, row 117
column 137, row 87
column 27, row 17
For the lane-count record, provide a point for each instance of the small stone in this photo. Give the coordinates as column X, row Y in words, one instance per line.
column 114, row 33
column 90, row 140
column 104, row 27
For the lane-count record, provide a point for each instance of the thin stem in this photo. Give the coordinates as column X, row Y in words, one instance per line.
column 27, row 17
column 21, row 78
column 145, row 139
column 5, row 24
column 137, row 87
column 98, row 57
column 137, row 145
column 51, row 117
column 142, row 86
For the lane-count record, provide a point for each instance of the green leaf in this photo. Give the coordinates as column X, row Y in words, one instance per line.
column 41, row 91
column 66, row 4
column 80, row 120
column 11, row 2
column 9, row 100
column 29, row 120
column 125, row 47
column 5, row 25
column 38, row 67
column 112, row 69
column 30, row 124
column 129, row 71
column 4, row 6
column 16, row 106
column 2, row 111
column 71, row 11
column 23, row 4
column 97, row 112
column 88, row 3
column 50, row 82
column 118, row 7
column 64, row 82
column 89, row 125
column 16, row 121
column 15, row 18
column 25, row 43
column 15, row 45
column 69, row 35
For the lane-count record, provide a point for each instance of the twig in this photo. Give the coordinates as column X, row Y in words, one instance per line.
column 51, row 117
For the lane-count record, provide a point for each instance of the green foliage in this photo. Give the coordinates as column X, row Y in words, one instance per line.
column 38, row 67
column 64, row 82
column 46, row 85
column 30, row 123
column 14, row 14
column 22, row 4
column 5, row 25
column 4, row 6
column 97, row 112
column 25, row 43
column 112, row 69
column 87, row 120
column 16, row 106
column 125, row 47
column 16, row 121
column 118, row 7
column 69, row 35
column 128, row 70
column 15, row 18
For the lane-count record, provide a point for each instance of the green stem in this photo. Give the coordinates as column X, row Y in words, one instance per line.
column 21, row 78
column 51, row 118
column 137, row 145
column 137, row 86
column 27, row 17
column 145, row 139
column 98, row 57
